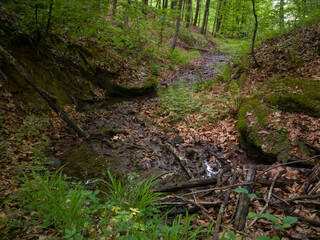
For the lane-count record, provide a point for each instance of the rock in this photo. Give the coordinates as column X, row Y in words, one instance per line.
column 177, row 140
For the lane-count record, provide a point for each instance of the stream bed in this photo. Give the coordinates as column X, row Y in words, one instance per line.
column 127, row 141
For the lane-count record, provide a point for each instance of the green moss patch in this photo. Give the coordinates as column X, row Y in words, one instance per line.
column 271, row 140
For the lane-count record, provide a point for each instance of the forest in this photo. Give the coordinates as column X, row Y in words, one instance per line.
column 159, row 119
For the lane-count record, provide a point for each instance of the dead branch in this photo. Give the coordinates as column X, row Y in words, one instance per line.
column 222, row 207
column 219, row 188
column 288, row 163
column 296, row 198
column 204, row 211
column 242, row 212
column 182, row 160
column 188, row 184
column 312, row 177
column 194, row 48
column 267, row 200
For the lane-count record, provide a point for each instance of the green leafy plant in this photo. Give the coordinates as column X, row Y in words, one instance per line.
column 155, row 69
column 64, row 205
column 130, row 192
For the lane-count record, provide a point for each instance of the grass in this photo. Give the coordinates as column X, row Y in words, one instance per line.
column 66, row 206
column 232, row 46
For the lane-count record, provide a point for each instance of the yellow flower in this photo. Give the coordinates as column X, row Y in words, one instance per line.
column 134, row 211
column 115, row 209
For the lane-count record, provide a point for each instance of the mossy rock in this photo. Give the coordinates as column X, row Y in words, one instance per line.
column 287, row 95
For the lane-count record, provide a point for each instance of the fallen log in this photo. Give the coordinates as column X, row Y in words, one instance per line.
column 46, row 96
column 194, row 48
column 242, row 212
column 189, row 184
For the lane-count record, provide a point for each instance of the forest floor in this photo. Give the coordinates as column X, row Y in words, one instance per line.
column 195, row 140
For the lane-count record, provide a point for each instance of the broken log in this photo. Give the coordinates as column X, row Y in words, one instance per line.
column 312, row 177
column 242, row 212
column 189, row 184
column 46, row 96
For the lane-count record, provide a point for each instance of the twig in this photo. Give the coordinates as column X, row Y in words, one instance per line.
column 182, row 160
column 222, row 207
column 296, row 198
column 218, row 188
column 204, row 211
column 267, row 202
column 288, row 163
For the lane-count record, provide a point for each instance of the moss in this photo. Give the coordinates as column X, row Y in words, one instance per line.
column 296, row 95
column 122, row 91
column 287, row 94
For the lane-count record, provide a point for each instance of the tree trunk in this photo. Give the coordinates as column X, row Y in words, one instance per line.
column 114, row 8
column 205, row 17
column 281, row 15
column 197, row 13
column 46, row 96
column 173, row 4
column 254, row 33
column 126, row 17
column 188, row 18
column 174, row 42
column 219, row 15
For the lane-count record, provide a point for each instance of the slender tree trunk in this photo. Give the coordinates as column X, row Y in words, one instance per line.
column 188, row 18
column 126, row 18
column 254, row 33
column 114, row 8
column 205, row 17
column 281, row 15
column 174, row 42
column 219, row 15
column 197, row 13
column 173, row 4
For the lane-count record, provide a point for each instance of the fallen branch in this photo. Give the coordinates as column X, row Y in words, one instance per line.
column 222, row 207
column 182, row 160
column 267, row 200
column 242, row 211
column 288, row 163
column 296, row 198
column 312, row 177
column 301, row 218
column 204, row 211
column 46, row 96
column 219, row 188
column 189, row 184
column 194, row 48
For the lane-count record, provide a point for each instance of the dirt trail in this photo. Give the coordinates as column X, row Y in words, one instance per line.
column 134, row 143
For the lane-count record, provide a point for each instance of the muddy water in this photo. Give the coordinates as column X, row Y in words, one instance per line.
column 136, row 148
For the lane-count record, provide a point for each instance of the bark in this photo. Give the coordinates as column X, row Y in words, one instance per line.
column 254, row 33
column 174, row 42
column 205, row 17
column 189, row 184
column 197, row 13
column 126, row 18
column 46, row 96
column 188, row 17
column 219, row 15
column 281, row 15
column 242, row 212
column 114, row 7
column 312, row 177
